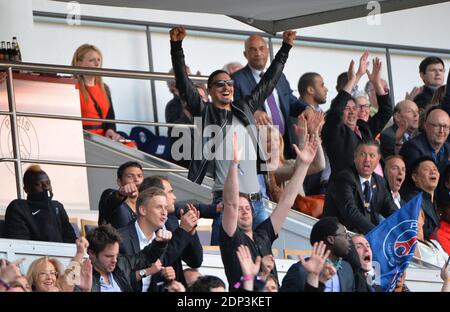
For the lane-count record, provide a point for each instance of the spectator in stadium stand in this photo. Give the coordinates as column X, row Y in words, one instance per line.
column 432, row 73
column 222, row 112
column 342, row 129
column 184, row 245
column 207, row 283
column 371, row 92
column 442, row 233
column 425, row 176
column 362, row 105
column 280, row 108
column 331, row 242
column 394, row 173
column 118, row 207
column 431, row 143
column 357, row 196
column 113, row 272
column 95, row 95
column 38, row 217
column 47, row 274
column 237, row 225
column 174, row 108
column 406, row 123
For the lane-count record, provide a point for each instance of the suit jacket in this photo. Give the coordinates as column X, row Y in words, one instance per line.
column 182, row 246
column 387, row 141
column 340, row 141
column 290, row 106
column 424, row 98
column 345, row 200
column 295, row 279
column 415, row 148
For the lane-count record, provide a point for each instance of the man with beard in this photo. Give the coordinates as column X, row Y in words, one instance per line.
column 38, row 217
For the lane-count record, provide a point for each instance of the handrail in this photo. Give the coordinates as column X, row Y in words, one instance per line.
column 117, row 121
column 106, row 72
column 87, row 165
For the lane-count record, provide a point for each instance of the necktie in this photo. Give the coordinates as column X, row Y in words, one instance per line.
column 274, row 111
column 358, row 133
column 367, row 195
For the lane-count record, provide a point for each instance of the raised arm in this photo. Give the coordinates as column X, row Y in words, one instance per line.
column 185, row 86
column 287, row 198
column 231, row 193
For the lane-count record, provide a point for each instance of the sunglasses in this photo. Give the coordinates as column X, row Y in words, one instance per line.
column 222, row 83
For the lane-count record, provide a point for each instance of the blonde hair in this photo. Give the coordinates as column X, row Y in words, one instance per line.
column 78, row 57
column 33, row 270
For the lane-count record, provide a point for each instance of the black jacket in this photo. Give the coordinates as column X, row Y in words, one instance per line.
column 182, row 246
column 295, row 279
column 243, row 109
column 126, row 266
column 38, row 220
column 345, row 200
column 340, row 141
column 113, row 209
column 424, row 98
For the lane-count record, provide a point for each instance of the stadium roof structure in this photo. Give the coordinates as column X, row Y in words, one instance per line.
column 273, row 16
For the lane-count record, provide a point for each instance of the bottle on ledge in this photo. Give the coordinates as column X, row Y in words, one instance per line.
column 3, row 51
column 9, row 52
column 17, row 54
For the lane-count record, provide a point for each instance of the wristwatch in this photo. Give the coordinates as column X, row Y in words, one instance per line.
column 142, row 273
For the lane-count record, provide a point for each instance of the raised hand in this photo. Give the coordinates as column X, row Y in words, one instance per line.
column 375, row 75
column 9, row 272
column 86, row 275
column 154, row 268
column 189, row 218
column 301, row 130
column 316, row 261
column 267, row 264
column 363, row 65
column 289, row 36
column 129, row 189
column 351, row 71
column 307, row 154
column 316, row 122
column 163, row 235
column 414, row 92
column 177, row 33
column 328, row 271
column 82, row 245
column 248, row 267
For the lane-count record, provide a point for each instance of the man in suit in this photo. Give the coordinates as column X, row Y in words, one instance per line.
column 431, row 143
column 338, row 243
column 185, row 244
column 394, row 173
column 343, row 130
column 357, row 196
column 406, row 122
column 281, row 108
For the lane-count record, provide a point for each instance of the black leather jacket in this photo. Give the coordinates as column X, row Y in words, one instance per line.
column 243, row 109
column 128, row 265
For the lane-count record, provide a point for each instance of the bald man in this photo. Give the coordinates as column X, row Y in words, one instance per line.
column 406, row 122
column 281, row 108
column 431, row 143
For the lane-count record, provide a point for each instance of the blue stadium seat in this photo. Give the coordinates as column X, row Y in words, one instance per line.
column 150, row 143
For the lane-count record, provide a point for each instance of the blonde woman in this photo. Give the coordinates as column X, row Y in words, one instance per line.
column 95, row 97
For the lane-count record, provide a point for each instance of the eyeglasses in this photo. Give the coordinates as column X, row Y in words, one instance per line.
column 439, row 127
column 222, row 83
column 363, row 107
column 50, row 273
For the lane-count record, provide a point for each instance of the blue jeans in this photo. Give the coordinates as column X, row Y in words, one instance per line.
column 259, row 215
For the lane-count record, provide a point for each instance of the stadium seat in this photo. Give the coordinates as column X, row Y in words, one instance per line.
column 204, row 234
column 75, row 223
column 294, row 253
column 87, row 226
column 150, row 143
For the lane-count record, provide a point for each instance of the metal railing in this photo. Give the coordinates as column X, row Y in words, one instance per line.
column 9, row 67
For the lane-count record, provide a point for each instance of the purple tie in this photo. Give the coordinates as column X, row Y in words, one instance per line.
column 275, row 112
